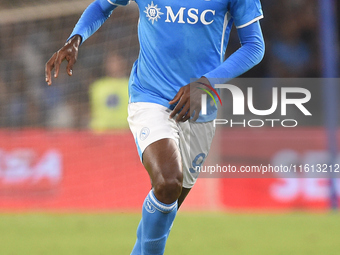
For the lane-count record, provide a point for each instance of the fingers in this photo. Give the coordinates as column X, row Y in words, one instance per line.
column 197, row 114
column 188, row 111
column 48, row 68
column 59, row 58
column 180, row 103
column 55, row 62
column 185, row 110
column 185, row 107
column 177, row 97
column 69, row 67
column 177, row 108
column 184, row 115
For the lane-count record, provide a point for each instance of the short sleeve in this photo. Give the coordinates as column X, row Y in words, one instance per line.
column 119, row 2
column 245, row 12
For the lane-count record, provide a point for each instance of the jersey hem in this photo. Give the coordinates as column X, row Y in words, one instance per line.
column 201, row 119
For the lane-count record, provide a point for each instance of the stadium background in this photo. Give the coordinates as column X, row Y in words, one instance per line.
column 56, row 164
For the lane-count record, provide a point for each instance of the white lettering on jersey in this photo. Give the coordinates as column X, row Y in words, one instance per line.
column 172, row 15
column 193, row 16
column 203, row 17
column 153, row 14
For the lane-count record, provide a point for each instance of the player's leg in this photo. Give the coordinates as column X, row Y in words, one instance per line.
column 162, row 160
column 194, row 145
column 195, row 141
column 156, row 140
column 163, row 163
column 138, row 246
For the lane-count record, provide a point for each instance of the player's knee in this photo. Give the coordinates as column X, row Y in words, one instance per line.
column 169, row 189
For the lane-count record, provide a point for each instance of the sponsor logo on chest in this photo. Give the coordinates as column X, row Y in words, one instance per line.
column 182, row 16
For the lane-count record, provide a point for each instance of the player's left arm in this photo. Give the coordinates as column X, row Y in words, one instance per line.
column 247, row 56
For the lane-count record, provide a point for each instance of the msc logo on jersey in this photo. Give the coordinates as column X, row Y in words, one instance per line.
column 193, row 16
column 152, row 12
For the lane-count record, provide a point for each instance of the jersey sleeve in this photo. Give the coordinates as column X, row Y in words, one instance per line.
column 246, row 57
column 245, row 12
column 92, row 18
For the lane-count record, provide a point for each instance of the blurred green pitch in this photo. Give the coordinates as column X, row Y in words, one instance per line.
column 193, row 233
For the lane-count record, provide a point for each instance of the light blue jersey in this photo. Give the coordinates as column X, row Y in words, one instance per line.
column 184, row 40
column 181, row 41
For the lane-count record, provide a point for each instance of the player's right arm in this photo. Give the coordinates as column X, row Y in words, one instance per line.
column 90, row 21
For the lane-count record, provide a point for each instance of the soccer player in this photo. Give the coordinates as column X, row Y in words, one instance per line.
column 182, row 46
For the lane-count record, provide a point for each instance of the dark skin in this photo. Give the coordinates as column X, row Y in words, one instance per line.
column 162, row 158
column 68, row 52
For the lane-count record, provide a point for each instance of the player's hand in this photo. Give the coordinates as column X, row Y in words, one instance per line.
column 189, row 100
column 69, row 52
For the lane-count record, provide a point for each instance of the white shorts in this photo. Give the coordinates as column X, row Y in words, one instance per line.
column 150, row 122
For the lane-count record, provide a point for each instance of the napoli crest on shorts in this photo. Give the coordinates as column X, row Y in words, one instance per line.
column 144, row 133
column 149, row 207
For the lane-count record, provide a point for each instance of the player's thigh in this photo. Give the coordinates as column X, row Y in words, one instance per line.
column 157, row 140
column 162, row 160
